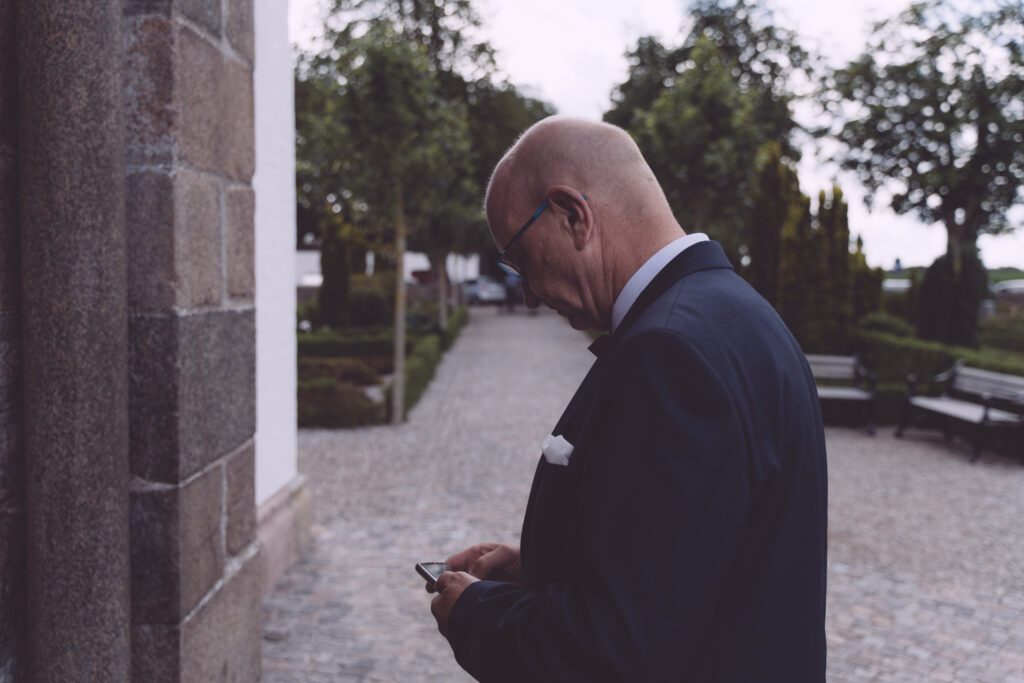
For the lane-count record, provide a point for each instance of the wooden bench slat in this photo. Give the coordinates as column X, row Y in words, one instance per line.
column 843, row 394
column 962, row 410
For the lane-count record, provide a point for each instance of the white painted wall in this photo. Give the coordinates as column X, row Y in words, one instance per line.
column 307, row 264
column 274, row 183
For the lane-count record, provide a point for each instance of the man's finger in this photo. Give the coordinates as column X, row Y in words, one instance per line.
column 431, row 587
column 487, row 563
column 461, row 561
column 435, row 606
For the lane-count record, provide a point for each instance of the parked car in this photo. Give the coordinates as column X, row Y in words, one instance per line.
column 483, row 290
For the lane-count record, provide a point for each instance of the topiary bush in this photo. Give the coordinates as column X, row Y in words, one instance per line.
column 331, row 404
column 372, row 300
column 885, row 323
column 456, row 321
column 351, row 370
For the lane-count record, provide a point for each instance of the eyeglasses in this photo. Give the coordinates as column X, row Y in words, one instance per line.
column 507, row 267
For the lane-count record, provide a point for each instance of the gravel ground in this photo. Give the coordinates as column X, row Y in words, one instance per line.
column 926, row 553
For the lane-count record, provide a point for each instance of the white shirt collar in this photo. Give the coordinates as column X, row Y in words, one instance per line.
column 643, row 276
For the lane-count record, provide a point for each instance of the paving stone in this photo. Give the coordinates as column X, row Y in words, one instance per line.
column 926, row 551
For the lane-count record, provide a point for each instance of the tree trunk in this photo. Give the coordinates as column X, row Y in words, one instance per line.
column 442, row 291
column 398, row 385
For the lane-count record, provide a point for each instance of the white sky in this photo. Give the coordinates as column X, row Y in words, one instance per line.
column 572, row 53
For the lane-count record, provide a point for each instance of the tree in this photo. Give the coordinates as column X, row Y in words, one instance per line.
column 764, row 60
column 866, row 284
column 446, row 30
column 449, row 207
column 949, row 300
column 700, row 111
column 323, row 157
column 930, row 118
column 652, row 70
column 776, row 187
column 390, row 102
column 797, row 269
column 835, row 285
column 700, row 141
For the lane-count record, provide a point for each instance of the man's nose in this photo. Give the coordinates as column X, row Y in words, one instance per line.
column 531, row 299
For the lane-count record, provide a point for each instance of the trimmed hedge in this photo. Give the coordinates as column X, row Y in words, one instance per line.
column 1003, row 332
column 420, row 367
column 328, row 373
column 457, row 320
column 339, row 344
column 893, row 358
column 331, row 404
column 351, row 370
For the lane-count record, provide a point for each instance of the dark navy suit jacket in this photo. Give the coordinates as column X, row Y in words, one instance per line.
column 685, row 540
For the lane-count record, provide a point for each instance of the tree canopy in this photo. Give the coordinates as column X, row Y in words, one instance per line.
column 931, row 115
column 700, row 111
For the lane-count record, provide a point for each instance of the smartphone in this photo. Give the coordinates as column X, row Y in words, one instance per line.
column 431, row 571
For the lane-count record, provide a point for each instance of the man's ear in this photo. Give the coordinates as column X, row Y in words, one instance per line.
column 573, row 213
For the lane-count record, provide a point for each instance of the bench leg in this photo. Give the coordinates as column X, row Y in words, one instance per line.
column 870, row 410
column 947, row 433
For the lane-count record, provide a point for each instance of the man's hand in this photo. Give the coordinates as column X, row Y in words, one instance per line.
column 495, row 561
column 449, row 587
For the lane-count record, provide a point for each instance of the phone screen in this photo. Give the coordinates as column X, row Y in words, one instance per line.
column 431, row 570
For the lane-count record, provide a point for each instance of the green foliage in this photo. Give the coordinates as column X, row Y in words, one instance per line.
column 762, row 58
column 822, row 286
column 372, row 300
column 797, row 302
column 835, row 285
column 329, row 373
column 930, row 119
column 1002, row 274
column 1002, row 332
column 445, row 30
column 950, row 297
column 700, row 140
column 420, row 366
column 307, row 311
column 866, row 295
column 701, row 111
column 879, row 321
column 458, row 320
column 930, row 115
column 776, row 188
column 338, row 344
column 893, row 357
column 351, row 370
column 330, row 404
column 334, row 296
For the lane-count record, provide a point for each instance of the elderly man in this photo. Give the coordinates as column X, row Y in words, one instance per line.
column 676, row 530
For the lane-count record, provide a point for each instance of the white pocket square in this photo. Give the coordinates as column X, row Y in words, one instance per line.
column 556, row 450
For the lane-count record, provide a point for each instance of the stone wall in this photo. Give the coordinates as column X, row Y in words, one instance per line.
column 189, row 167
column 185, row 400
column 12, row 547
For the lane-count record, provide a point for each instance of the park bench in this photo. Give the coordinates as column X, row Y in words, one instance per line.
column 979, row 398
column 859, row 384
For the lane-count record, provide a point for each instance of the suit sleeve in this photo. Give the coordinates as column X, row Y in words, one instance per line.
column 665, row 498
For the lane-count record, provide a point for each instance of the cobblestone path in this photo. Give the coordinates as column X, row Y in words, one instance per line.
column 926, row 554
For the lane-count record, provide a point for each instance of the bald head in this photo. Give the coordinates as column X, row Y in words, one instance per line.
column 599, row 159
column 605, row 215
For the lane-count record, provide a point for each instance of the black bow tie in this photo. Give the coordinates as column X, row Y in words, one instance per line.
column 598, row 346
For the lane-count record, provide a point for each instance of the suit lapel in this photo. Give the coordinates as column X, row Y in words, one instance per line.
column 700, row 256
column 550, row 515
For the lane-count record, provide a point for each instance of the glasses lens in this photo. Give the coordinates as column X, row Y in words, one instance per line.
column 508, row 269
